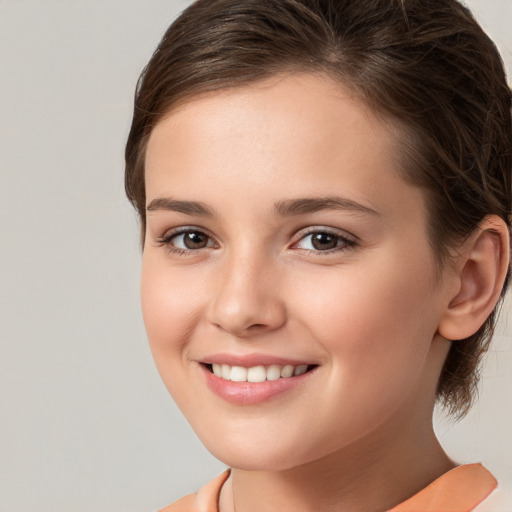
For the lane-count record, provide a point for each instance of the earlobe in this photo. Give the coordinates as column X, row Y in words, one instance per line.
column 482, row 270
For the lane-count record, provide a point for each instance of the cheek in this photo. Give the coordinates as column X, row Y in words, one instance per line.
column 372, row 320
column 169, row 309
column 376, row 331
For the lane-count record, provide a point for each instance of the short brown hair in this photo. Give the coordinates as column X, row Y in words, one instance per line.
column 425, row 65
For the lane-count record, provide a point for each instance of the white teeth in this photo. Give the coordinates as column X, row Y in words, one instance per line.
column 257, row 373
column 226, row 371
column 287, row 371
column 273, row 372
column 238, row 374
column 299, row 370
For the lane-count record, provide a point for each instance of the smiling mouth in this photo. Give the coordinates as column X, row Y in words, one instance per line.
column 259, row 373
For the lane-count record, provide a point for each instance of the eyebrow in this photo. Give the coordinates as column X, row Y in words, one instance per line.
column 314, row 204
column 186, row 207
column 285, row 208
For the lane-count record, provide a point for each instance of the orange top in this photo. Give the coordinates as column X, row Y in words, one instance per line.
column 458, row 490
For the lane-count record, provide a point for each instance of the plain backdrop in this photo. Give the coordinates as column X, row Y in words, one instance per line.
column 85, row 423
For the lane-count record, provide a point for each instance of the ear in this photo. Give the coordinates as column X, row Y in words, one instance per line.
column 481, row 271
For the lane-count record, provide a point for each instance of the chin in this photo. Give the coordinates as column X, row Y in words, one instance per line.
column 255, row 462
column 254, row 456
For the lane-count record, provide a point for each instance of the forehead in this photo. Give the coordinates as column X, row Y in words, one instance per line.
column 275, row 138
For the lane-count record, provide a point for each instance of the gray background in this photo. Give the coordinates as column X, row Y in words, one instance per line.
column 85, row 424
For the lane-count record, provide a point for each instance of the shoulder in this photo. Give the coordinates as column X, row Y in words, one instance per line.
column 461, row 489
column 186, row 504
column 204, row 500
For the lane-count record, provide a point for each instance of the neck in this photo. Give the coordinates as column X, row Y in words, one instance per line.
column 371, row 475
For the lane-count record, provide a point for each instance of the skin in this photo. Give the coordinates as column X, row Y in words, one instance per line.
column 357, row 433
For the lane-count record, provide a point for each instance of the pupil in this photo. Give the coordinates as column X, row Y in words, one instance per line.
column 195, row 241
column 323, row 241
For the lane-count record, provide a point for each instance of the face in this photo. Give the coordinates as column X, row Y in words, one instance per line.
column 288, row 287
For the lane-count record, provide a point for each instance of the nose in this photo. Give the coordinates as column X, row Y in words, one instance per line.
column 248, row 300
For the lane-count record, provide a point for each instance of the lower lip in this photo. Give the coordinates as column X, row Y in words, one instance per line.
column 250, row 393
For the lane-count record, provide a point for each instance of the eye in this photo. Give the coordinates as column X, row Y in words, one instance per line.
column 324, row 241
column 187, row 240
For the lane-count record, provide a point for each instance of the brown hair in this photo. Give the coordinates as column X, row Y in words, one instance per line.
column 425, row 65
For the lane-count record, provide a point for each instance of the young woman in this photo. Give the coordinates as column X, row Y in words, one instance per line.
column 324, row 190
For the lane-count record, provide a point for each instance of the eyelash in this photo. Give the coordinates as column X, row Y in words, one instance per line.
column 344, row 241
column 167, row 239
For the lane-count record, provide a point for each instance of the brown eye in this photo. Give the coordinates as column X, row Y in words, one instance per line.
column 188, row 240
column 195, row 240
column 323, row 241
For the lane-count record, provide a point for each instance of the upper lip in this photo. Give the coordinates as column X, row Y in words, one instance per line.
column 250, row 360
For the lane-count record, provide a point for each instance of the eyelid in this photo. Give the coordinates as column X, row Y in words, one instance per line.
column 170, row 234
column 325, row 229
column 349, row 239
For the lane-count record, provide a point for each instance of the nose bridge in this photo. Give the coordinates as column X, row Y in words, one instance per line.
column 247, row 297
